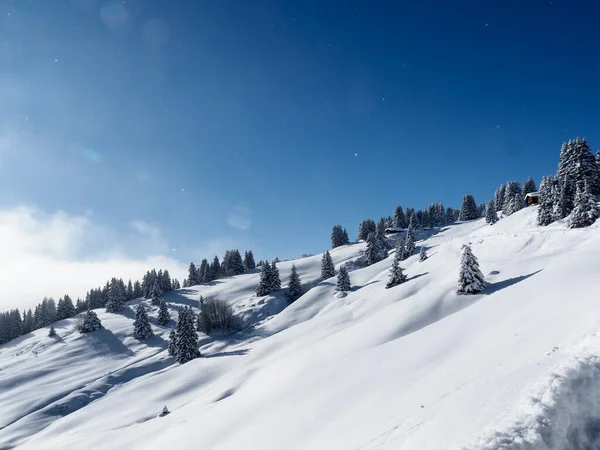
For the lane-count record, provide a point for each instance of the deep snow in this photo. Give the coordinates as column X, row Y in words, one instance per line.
column 413, row 367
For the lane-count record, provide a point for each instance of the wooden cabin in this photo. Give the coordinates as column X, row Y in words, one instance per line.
column 533, row 198
column 394, row 230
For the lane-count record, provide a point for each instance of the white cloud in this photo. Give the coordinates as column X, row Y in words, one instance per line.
column 53, row 254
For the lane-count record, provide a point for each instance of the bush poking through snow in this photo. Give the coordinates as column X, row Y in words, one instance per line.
column 470, row 278
column 52, row 331
column 216, row 315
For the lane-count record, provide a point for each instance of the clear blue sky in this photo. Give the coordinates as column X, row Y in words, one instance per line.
column 265, row 122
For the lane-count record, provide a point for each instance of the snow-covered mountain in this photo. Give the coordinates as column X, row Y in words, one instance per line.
column 412, row 367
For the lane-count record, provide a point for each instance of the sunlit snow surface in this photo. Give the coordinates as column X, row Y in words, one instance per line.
column 412, row 367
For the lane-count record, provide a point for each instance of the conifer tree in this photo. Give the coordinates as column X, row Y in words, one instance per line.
column 397, row 275
column 529, row 186
column 249, row 263
column 491, row 216
column 236, row 264
column 185, row 283
column 366, row 226
column 408, row 243
column 137, row 290
column 192, row 275
column 176, row 284
column 52, row 331
column 215, row 269
column 566, row 201
column 264, row 287
column 423, row 254
column 327, row 266
column 578, row 162
column 372, row 251
column 141, row 326
column 163, row 314
column 129, row 292
column 470, row 278
column 172, row 347
column 499, row 197
column 546, row 209
column 155, row 293
column 468, row 210
column 343, row 281
column 116, row 297
column 186, row 337
column 294, row 290
column 399, row 218
column 90, row 322
column 339, row 236
column 513, row 200
column 275, row 281
column 585, row 212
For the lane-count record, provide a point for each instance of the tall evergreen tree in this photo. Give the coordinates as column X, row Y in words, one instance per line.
column 264, row 285
column 399, row 218
column 141, row 326
column 481, row 209
column 137, row 290
column 215, row 268
column 586, row 210
column 491, row 216
column 90, row 322
column 468, row 210
column 235, row 265
column 409, row 242
column 339, row 236
column 129, row 292
column 499, row 197
column 397, row 275
column 578, row 162
column 372, row 251
column 513, row 199
column 566, row 201
column 546, row 209
column 470, row 278
column 176, row 284
column 116, row 297
column 275, row 281
column 343, row 281
column 186, row 337
column 366, row 226
column 155, row 293
column 327, row 266
column 249, row 263
column 163, row 314
column 192, row 275
column 172, row 347
column 529, row 186
column 294, row 290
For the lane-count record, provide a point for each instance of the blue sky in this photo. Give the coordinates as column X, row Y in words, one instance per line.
column 260, row 124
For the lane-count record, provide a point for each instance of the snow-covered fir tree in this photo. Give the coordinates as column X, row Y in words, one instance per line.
column 585, row 212
column 176, row 284
column 141, row 326
column 294, row 289
column 372, row 251
column 185, row 283
column 529, row 186
column 513, row 198
column 566, row 200
column 249, row 263
column 468, row 210
column 155, row 293
column 499, row 197
column 481, row 209
column 399, row 218
column 578, row 162
column 409, row 242
column 137, row 290
column 52, row 331
column 91, row 322
column 491, row 216
column 397, row 275
column 327, row 266
column 343, row 281
column 215, row 268
column 470, row 278
column 339, row 236
column 423, row 254
column 116, row 297
column 129, row 292
column 545, row 212
column 163, row 314
column 192, row 278
column 186, row 337
column 65, row 308
column 264, row 286
column 274, row 281
column 172, row 347
column 366, row 226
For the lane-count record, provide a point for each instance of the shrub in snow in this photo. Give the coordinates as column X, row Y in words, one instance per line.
column 294, row 290
column 217, row 314
column 470, row 278
column 423, row 254
column 468, row 210
column 343, row 282
column 164, row 412
column 327, row 266
column 397, row 275
column 491, row 216
column 141, row 326
column 186, row 339
column 586, row 211
column 52, row 331
column 89, row 322
column 163, row 314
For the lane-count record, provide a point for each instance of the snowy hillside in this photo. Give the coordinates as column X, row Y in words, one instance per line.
column 412, row 367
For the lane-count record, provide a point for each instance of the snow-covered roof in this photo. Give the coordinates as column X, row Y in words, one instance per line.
column 394, row 230
column 532, row 194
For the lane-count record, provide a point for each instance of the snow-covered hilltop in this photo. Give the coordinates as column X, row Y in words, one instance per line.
column 416, row 366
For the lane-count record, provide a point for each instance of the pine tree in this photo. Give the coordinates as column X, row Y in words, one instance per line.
column 90, row 322
column 137, row 290
column 423, row 254
column 468, row 210
column 566, row 202
column 327, row 266
column 172, row 347
column 192, row 275
column 408, row 243
column 155, row 293
column 116, row 297
column 481, row 210
column 397, row 275
column 546, row 209
column 215, row 269
column 399, row 218
column 52, row 331
column 343, row 281
column 491, row 216
column 163, row 314
column 186, row 337
column 129, row 293
column 372, row 251
column 586, row 210
column 235, row 263
column 294, row 290
column 513, row 200
column 499, row 197
column 366, row 226
column 339, row 236
column 264, row 287
column 470, row 278
column 185, row 283
column 275, row 281
column 380, row 235
column 529, row 186
column 249, row 263
column 578, row 162
column 176, row 284
column 141, row 326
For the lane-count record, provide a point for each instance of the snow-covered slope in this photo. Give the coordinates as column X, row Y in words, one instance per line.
column 412, row 367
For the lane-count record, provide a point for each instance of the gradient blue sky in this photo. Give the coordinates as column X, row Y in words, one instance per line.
column 260, row 124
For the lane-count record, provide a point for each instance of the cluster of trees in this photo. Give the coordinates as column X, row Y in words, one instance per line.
column 339, row 236
column 510, row 197
column 269, row 279
column 232, row 264
column 571, row 192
